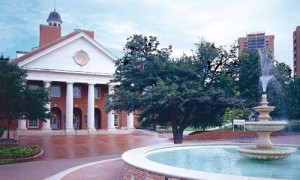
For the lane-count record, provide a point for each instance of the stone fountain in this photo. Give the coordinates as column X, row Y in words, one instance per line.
column 263, row 148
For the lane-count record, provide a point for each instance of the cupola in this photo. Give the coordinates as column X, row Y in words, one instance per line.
column 54, row 19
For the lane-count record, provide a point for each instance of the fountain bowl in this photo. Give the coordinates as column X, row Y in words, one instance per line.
column 276, row 153
column 265, row 126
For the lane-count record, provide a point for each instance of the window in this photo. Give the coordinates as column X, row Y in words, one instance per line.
column 33, row 123
column 116, row 120
column 97, row 93
column 33, row 86
column 55, row 91
column 76, row 92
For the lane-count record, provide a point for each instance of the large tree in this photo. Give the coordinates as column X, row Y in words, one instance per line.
column 190, row 91
column 17, row 100
column 249, row 73
column 276, row 90
column 293, row 99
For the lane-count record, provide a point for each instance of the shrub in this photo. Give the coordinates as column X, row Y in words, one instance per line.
column 21, row 151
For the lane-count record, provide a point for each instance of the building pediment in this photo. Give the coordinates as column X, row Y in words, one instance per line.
column 73, row 53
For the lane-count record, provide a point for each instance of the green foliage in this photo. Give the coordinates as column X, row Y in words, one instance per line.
column 34, row 103
column 293, row 99
column 237, row 113
column 12, row 79
column 12, row 152
column 249, row 73
column 17, row 100
column 277, row 90
column 190, row 91
column 282, row 72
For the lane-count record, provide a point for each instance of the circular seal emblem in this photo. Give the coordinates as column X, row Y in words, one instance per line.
column 81, row 57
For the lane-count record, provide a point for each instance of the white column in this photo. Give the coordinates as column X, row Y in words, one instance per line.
column 22, row 124
column 110, row 118
column 69, row 106
column 130, row 121
column 91, row 107
column 46, row 125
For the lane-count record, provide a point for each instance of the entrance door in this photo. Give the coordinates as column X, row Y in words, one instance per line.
column 55, row 121
column 97, row 118
column 77, row 118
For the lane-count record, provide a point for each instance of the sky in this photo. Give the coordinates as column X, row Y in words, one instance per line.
column 180, row 23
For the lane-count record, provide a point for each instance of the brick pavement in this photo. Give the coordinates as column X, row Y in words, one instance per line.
column 65, row 152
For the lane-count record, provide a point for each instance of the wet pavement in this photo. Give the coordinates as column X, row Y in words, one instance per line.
column 87, row 157
column 70, row 147
column 64, row 152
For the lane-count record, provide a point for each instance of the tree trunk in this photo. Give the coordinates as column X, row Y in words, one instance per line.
column 178, row 137
column 177, row 134
column 7, row 126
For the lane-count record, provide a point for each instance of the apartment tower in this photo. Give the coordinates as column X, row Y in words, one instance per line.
column 296, row 51
column 256, row 41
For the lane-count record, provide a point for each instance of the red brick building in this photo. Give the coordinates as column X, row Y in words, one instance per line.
column 256, row 41
column 77, row 70
column 296, row 51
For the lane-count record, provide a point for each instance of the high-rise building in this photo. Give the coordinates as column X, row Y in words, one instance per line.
column 256, row 41
column 296, row 50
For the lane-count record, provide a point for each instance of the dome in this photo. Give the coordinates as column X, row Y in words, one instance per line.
column 54, row 17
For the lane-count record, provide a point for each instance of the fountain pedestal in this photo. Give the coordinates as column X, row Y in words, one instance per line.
column 264, row 147
column 263, row 140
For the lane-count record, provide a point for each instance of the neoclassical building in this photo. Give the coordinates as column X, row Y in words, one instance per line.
column 77, row 70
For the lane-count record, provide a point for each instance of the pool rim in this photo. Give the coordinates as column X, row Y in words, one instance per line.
column 137, row 158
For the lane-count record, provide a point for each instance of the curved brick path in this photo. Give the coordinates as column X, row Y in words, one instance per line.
column 78, row 152
column 64, row 152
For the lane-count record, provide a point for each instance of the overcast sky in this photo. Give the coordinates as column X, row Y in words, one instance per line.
column 179, row 23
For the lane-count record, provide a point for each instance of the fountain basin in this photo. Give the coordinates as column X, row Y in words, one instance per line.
column 218, row 161
column 266, row 154
column 265, row 126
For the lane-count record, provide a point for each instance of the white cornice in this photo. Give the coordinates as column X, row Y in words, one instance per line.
column 69, row 72
column 69, row 76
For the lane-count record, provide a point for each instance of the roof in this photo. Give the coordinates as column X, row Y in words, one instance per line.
column 54, row 16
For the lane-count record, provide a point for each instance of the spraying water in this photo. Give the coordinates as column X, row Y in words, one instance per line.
column 266, row 64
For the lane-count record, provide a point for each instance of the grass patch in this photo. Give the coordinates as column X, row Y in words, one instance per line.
column 21, row 151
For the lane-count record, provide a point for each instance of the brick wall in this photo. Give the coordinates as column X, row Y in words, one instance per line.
column 81, row 104
column 133, row 173
column 49, row 34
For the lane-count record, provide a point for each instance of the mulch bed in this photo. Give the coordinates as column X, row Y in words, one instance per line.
column 223, row 135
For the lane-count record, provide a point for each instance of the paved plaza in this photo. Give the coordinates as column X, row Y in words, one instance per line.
column 88, row 157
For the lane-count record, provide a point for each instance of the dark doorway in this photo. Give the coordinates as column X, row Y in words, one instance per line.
column 97, row 118
column 77, row 118
column 55, row 122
